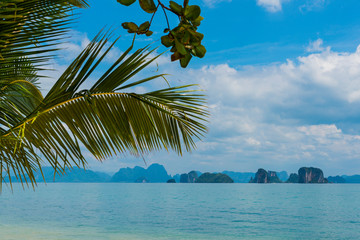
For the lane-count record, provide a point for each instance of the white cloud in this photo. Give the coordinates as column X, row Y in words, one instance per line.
column 316, row 46
column 252, row 141
column 78, row 42
column 270, row 5
column 283, row 116
column 276, row 5
column 326, row 74
column 73, row 47
column 322, row 130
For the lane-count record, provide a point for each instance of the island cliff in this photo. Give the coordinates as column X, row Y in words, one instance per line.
column 190, row 177
column 311, row 175
column 263, row 176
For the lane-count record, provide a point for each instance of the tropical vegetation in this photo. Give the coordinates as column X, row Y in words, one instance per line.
column 106, row 119
column 184, row 40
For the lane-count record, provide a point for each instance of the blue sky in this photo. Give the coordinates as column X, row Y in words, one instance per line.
column 282, row 79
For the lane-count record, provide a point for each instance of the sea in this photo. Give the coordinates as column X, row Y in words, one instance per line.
column 159, row 211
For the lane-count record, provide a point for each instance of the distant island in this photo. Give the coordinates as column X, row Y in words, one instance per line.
column 157, row 173
column 214, row 178
column 263, row 176
column 75, row 175
column 305, row 175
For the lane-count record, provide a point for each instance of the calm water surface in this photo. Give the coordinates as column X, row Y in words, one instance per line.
column 181, row 211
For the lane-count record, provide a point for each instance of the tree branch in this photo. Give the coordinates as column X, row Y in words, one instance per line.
column 169, row 9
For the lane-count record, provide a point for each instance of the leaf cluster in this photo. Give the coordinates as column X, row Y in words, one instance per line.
column 183, row 40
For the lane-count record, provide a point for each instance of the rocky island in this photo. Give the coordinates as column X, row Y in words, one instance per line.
column 311, row 175
column 294, row 178
column 157, row 173
column 214, row 178
column 263, row 176
column 190, row 177
column 305, row 175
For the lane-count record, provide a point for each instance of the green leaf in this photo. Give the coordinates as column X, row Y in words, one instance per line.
column 200, row 51
column 126, row 2
column 185, row 61
column 194, row 41
column 176, row 7
column 176, row 56
column 149, row 33
column 192, row 12
column 132, row 27
column 148, row 5
column 173, row 49
column 197, row 35
column 144, row 26
column 180, row 47
column 197, row 21
column 186, row 38
column 166, row 41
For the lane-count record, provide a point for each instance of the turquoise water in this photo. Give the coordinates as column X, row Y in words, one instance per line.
column 181, row 211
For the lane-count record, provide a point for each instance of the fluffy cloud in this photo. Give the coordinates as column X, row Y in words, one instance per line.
column 279, row 116
column 270, row 5
column 316, row 46
column 283, row 116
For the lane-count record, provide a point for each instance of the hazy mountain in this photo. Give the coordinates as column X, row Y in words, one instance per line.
column 283, row 176
column 336, row 179
column 128, row 174
column 71, row 175
column 351, row 179
column 154, row 173
column 240, row 177
column 176, row 177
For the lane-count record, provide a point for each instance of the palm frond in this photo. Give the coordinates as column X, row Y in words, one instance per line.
column 102, row 119
column 30, row 30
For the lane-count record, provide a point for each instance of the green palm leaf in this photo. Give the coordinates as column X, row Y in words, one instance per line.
column 30, row 30
column 104, row 119
column 29, row 33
